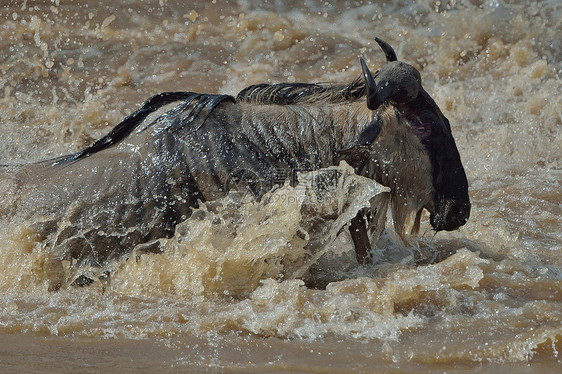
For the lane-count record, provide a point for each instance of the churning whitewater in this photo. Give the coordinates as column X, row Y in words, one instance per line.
column 274, row 283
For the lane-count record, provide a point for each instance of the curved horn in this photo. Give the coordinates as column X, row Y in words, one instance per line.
column 373, row 100
column 395, row 81
column 387, row 49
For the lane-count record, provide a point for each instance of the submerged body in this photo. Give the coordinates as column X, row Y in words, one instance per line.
column 496, row 307
column 134, row 185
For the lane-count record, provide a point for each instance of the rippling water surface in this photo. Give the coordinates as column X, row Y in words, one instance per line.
column 229, row 294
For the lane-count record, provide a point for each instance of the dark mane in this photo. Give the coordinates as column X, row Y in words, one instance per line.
column 301, row 93
column 281, row 94
column 197, row 102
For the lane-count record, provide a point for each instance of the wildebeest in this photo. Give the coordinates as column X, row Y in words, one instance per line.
column 132, row 186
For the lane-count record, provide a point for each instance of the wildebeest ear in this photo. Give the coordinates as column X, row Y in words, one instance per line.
column 369, row 133
column 360, row 150
column 354, row 156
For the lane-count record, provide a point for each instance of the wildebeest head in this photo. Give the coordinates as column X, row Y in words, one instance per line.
column 399, row 84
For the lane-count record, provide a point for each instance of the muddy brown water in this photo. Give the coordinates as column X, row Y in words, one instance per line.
column 486, row 298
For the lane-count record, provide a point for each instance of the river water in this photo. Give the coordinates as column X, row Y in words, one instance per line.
column 227, row 295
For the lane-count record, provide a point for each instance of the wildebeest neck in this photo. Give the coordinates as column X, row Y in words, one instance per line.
column 396, row 159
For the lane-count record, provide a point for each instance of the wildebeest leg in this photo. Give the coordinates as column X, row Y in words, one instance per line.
column 358, row 231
